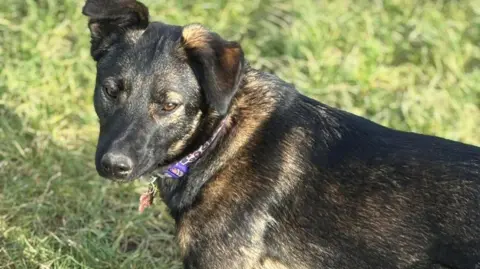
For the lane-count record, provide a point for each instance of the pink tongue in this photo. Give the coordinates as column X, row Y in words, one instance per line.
column 146, row 200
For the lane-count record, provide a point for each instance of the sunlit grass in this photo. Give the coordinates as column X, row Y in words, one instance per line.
column 406, row 64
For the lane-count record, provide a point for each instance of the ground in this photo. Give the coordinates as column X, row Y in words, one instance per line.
column 408, row 64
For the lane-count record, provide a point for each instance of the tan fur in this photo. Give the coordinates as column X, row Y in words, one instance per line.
column 230, row 57
column 253, row 95
column 195, row 36
column 270, row 264
column 226, row 191
column 292, row 160
column 333, row 193
column 173, row 96
column 244, row 120
column 254, row 252
column 180, row 145
column 152, row 112
column 184, row 235
column 217, row 188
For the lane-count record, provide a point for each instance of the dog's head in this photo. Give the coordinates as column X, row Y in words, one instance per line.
column 156, row 85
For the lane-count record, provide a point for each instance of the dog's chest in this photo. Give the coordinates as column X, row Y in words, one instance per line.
column 221, row 237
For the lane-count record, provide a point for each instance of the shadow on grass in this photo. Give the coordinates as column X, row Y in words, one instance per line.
column 56, row 213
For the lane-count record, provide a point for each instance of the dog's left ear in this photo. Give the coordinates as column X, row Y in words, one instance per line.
column 110, row 19
column 217, row 63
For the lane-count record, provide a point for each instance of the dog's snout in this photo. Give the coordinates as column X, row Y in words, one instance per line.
column 117, row 165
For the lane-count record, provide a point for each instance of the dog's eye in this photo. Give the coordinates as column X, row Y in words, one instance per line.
column 112, row 92
column 169, row 107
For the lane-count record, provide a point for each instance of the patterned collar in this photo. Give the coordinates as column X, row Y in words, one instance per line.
column 178, row 169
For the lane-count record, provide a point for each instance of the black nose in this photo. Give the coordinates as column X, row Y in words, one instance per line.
column 116, row 165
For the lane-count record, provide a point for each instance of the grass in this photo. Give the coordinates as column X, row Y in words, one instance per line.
column 412, row 65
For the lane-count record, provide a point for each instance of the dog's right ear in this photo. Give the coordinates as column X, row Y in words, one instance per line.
column 110, row 19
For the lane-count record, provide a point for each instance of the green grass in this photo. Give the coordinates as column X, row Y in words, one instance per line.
column 412, row 65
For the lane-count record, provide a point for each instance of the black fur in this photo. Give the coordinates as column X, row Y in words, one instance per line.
column 291, row 183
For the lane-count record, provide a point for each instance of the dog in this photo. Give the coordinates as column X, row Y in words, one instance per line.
column 259, row 176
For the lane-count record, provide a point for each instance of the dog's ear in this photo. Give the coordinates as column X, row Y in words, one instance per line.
column 110, row 19
column 217, row 63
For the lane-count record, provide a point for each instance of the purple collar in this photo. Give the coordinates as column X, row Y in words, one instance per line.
column 179, row 169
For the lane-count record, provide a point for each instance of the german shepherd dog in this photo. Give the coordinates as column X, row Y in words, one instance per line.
column 259, row 176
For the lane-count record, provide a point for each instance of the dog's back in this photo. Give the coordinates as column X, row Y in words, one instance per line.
column 371, row 197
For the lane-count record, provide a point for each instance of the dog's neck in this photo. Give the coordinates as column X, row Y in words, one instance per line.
column 256, row 98
column 181, row 168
